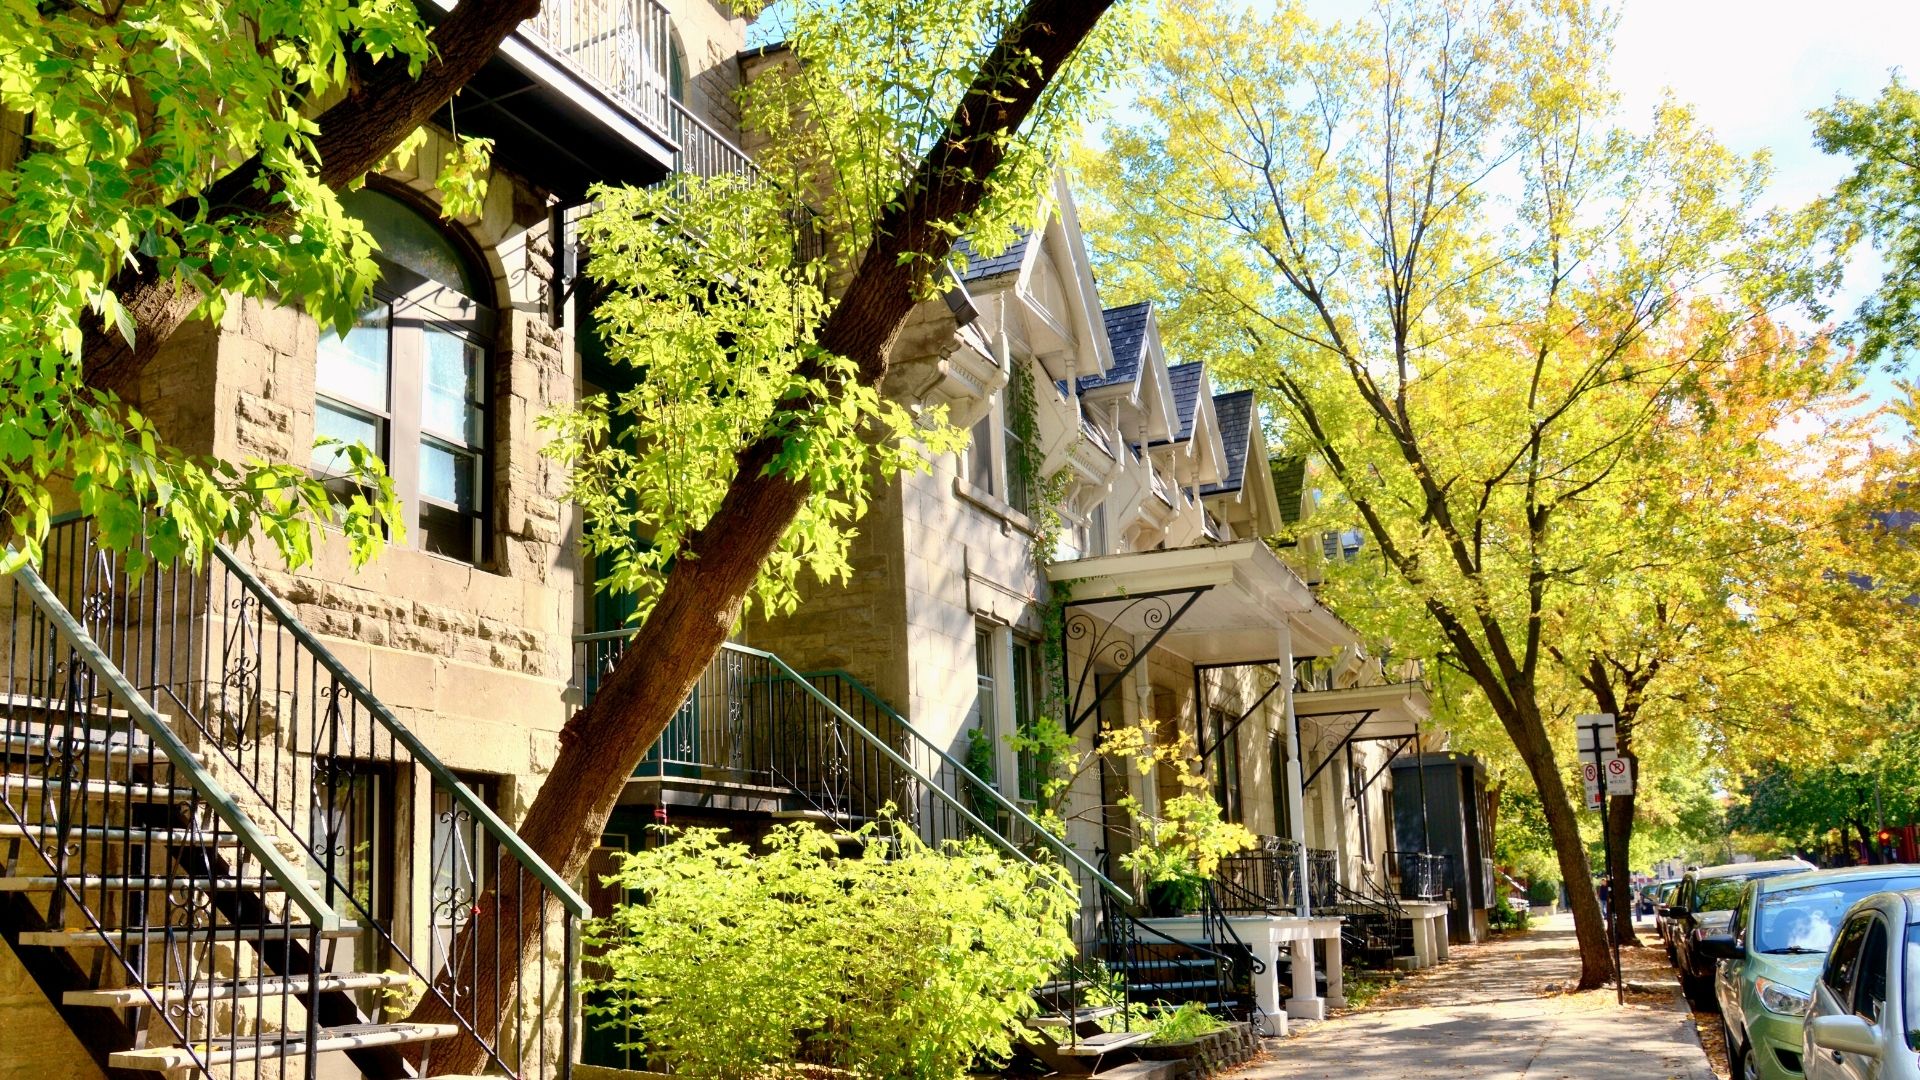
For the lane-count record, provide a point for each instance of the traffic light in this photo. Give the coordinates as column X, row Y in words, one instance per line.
column 1886, row 837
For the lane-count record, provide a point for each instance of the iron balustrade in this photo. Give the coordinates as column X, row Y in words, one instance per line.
column 143, row 853
column 621, row 47
column 838, row 748
column 1422, row 875
column 438, row 887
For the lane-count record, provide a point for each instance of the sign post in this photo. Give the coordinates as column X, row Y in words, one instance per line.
column 1604, row 772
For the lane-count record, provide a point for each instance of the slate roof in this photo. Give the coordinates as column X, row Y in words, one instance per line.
column 1187, row 380
column 1127, row 333
column 1289, row 477
column 1235, row 412
column 980, row 267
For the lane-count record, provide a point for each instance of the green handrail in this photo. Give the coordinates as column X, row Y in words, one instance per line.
column 1050, row 841
column 298, row 888
column 509, row 841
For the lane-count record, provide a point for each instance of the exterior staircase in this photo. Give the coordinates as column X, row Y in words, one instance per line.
column 185, row 864
column 834, row 752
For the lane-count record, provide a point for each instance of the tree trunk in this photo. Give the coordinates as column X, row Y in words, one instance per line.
column 354, row 136
column 702, row 598
column 1529, row 736
column 1620, row 887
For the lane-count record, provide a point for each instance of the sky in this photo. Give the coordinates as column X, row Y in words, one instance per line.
column 1753, row 70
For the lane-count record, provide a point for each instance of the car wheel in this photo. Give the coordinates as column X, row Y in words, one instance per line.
column 1738, row 1053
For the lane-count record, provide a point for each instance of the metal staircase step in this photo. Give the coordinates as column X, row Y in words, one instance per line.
column 115, row 748
column 14, row 704
column 222, row 991
column 183, row 837
column 162, row 935
column 134, row 883
column 351, row 1037
column 96, row 789
column 1104, row 1043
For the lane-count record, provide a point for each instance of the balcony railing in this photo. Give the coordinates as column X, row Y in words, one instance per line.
column 1267, row 880
column 1422, row 876
column 621, row 47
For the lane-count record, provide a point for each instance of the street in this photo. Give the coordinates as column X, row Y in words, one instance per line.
column 1494, row 1011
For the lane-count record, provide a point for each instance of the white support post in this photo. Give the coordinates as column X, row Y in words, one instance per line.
column 1296, row 802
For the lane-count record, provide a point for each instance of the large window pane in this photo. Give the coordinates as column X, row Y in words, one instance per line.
column 450, row 390
column 355, row 366
column 348, row 426
column 447, row 475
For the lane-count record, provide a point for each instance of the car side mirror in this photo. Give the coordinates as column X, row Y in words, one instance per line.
column 1847, row 1034
column 1722, row 947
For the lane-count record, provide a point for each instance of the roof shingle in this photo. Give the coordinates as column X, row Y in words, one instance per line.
column 980, row 267
column 1127, row 334
column 1235, row 412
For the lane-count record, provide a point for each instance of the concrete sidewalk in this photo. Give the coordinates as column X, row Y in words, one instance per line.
column 1489, row 1013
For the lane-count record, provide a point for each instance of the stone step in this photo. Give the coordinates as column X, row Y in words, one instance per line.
column 286, row 1044
column 182, row 837
column 95, row 789
column 135, row 883
column 217, row 991
column 159, row 936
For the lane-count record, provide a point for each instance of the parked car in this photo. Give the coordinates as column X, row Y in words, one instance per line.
column 1703, row 904
column 1865, row 1012
column 1772, row 953
column 1662, row 896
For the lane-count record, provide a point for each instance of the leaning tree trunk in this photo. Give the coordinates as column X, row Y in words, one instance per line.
column 702, row 598
column 1529, row 735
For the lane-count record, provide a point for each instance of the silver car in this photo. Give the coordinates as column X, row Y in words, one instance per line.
column 1864, row 1020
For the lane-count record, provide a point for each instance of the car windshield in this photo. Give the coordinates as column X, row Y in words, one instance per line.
column 1718, row 894
column 1804, row 919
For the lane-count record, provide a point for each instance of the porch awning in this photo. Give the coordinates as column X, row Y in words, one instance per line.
column 1387, row 711
column 1219, row 603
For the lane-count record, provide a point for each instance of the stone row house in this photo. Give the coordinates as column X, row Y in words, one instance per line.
column 253, row 815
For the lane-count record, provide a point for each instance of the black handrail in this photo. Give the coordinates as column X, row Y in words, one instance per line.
column 329, row 766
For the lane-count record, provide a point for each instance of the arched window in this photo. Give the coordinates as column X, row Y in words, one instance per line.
column 409, row 381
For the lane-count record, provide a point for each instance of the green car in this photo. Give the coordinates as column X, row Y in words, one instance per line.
column 1772, row 952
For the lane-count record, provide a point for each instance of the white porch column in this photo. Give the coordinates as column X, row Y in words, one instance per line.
column 1296, row 802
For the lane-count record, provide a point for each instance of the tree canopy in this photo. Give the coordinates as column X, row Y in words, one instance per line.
column 1474, row 290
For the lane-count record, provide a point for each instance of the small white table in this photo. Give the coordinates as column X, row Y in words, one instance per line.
column 1264, row 934
column 1429, row 919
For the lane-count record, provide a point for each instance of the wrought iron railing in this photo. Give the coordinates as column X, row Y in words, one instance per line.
column 1265, row 881
column 1422, row 875
column 315, row 757
column 842, row 750
column 621, row 47
column 141, row 852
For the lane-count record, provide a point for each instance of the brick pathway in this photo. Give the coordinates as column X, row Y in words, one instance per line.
column 1491, row 1012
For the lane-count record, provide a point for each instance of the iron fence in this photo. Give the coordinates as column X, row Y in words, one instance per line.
column 439, row 889
column 1422, row 875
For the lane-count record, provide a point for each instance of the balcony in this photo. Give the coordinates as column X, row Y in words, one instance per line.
column 581, row 94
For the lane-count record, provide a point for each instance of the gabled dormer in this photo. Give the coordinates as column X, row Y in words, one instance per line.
column 1244, row 502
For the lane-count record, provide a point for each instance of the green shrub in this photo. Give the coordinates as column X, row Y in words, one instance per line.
column 1543, row 892
column 903, row 962
column 1504, row 917
column 1183, row 1024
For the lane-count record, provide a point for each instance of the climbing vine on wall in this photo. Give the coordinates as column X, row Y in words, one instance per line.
column 1044, row 748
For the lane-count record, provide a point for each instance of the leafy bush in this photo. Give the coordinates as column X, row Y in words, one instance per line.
column 904, row 962
column 1504, row 917
column 1183, row 1024
column 1543, row 892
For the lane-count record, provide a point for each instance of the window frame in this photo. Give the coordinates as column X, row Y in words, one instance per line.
column 401, row 427
column 1840, row 959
